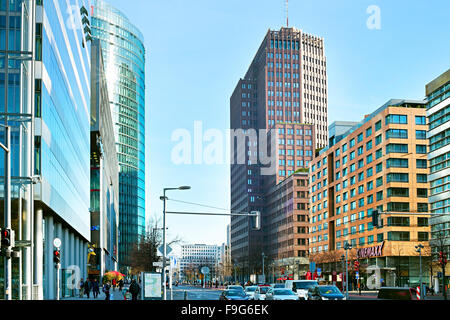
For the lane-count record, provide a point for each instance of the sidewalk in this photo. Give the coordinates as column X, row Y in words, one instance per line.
column 117, row 295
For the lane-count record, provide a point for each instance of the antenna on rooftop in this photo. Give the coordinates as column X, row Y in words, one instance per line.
column 287, row 13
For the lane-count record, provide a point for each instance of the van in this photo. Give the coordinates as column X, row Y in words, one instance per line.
column 300, row 287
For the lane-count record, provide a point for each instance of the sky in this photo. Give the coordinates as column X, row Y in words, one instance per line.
column 198, row 50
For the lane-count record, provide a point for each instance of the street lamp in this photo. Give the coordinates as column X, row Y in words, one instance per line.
column 164, row 198
column 263, row 273
column 347, row 247
column 419, row 248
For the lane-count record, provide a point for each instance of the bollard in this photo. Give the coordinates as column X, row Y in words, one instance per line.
column 185, row 294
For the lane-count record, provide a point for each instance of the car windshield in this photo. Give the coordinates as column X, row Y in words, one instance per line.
column 283, row 292
column 329, row 290
column 305, row 284
column 263, row 290
column 279, row 285
column 235, row 288
column 234, row 293
column 250, row 289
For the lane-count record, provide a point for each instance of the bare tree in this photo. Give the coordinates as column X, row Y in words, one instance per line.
column 439, row 241
column 144, row 253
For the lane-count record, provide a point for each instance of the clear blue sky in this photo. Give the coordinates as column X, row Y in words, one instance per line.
column 197, row 51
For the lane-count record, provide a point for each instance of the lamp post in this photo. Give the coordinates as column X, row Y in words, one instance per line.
column 263, row 273
column 164, row 198
column 7, row 210
column 347, row 247
column 419, row 248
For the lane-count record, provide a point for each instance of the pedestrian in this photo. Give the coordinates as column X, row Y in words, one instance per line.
column 114, row 283
column 81, row 287
column 120, row 284
column 106, row 290
column 87, row 287
column 95, row 289
column 134, row 289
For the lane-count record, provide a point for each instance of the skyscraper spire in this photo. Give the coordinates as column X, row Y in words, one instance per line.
column 287, row 13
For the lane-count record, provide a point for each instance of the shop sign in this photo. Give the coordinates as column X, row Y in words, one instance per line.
column 375, row 251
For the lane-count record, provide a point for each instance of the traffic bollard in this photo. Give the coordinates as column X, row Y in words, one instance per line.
column 185, row 295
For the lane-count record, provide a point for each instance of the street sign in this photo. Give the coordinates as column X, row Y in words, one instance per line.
column 57, row 242
column 161, row 250
column 312, row 266
column 357, row 275
column 319, row 272
column 158, row 264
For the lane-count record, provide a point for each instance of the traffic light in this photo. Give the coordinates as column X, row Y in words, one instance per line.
column 257, row 220
column 356, row 265
column 442, row 258
column 7, row 238
column 376, row 219
column 56, row 256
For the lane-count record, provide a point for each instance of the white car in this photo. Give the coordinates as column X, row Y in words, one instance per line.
column 250, row 292
column 235, row 287
column 301, row 287
column 281, row 294
column 260, row 292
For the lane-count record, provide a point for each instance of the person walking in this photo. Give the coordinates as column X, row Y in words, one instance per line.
column 114, row 283
column 87, row 287
column 121, row 284
column 81, row 287
column 106, row 290
column 95, row 289
column 134, row 289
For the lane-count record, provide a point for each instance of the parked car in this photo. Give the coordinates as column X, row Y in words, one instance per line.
column 325, row 293
column 233, row 295
column 250, row 292
column 235, row 287
column 397, row 293
column 301, row 287
column 281, row 294
column 278, row 285
column 260, row 292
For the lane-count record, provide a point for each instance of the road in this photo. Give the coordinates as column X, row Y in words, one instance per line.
column 195, row 293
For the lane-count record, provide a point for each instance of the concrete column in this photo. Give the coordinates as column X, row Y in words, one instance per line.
column 84, row 253
column 38, row 254
column 66, row 246
column 26, row 251
column 77, row 252
column 49, row 265
column 72, row 249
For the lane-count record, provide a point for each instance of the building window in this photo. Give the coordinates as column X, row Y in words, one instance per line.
column 398, row 236
column 421, row 134
column 421, row 164
column 396, row 119
column 421, row 121
column 396, row 148
column 421, row 149
column 423, row 236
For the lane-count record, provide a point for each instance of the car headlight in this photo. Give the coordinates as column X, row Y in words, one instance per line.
column 344, row 298
column 323, row 298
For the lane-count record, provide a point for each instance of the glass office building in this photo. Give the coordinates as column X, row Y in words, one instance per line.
column 47, row 105
column 124, row 59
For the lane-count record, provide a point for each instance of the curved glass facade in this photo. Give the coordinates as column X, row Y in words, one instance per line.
column 124, row 59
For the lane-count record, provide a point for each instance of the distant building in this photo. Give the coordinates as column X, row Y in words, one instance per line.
column 103, row 255
column 438, row 112
column 379, row 163
column 124, row 59
column 196, row 256
column 283, row 95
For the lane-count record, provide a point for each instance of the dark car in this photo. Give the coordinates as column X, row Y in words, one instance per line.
column 233, row 295
column 397, row 293
column 325, row 293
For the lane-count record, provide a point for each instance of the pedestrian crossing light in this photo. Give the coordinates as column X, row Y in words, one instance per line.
column 257, row 220
column 56, row 256
column 7, row 238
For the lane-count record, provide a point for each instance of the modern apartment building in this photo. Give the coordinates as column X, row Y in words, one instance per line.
column 47, row 105
column 196, row 256
column 438, row 112
column 379, row 163
column 281, row 105
column 124, row 59
column 104, row 207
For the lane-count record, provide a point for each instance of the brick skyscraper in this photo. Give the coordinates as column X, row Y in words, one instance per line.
column 284, row 93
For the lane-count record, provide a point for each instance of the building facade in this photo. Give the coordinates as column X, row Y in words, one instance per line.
column 378, row 164
column 103, row 256
column 196, row 256
column 438, row 112
column 124, row 59
column 280, row 105
column 47, row 105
